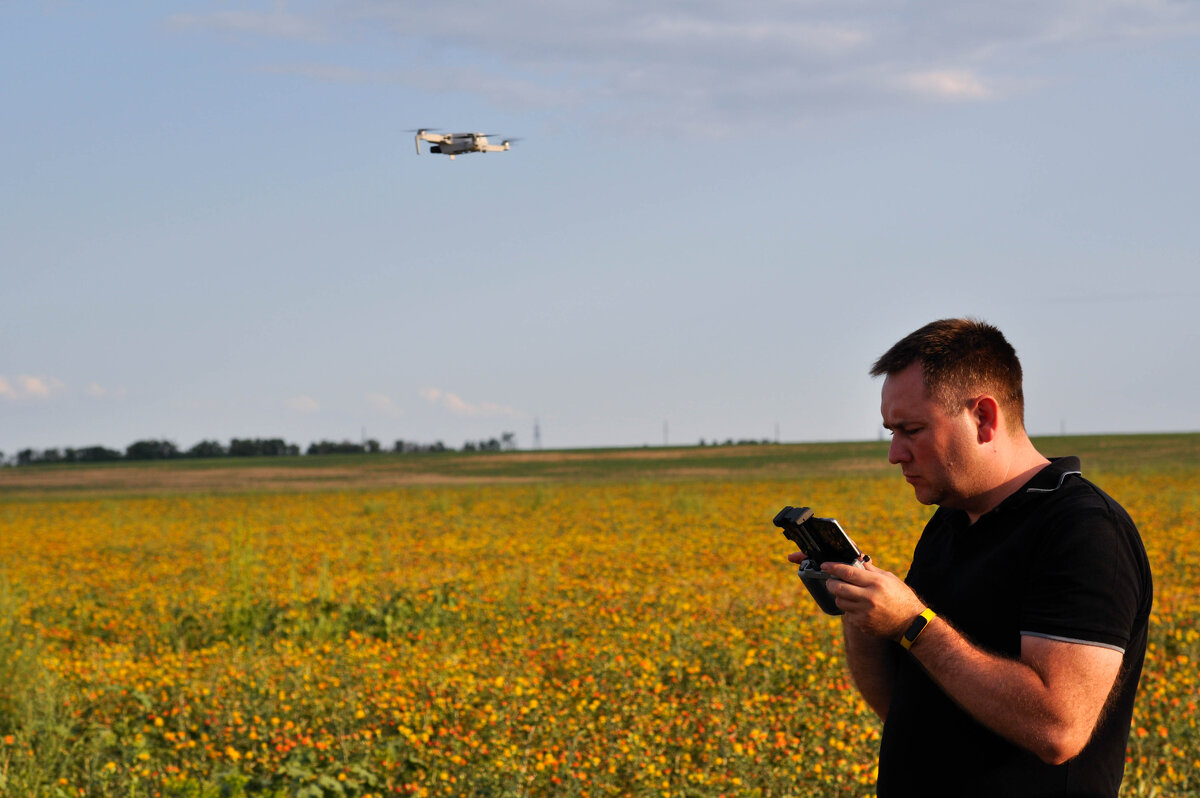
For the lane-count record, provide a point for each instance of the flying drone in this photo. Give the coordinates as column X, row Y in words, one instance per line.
column 458, row 143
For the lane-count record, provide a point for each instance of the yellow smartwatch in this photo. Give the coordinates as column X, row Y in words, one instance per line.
column 918, row 625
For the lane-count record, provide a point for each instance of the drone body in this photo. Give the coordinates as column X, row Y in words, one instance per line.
column 458, row 143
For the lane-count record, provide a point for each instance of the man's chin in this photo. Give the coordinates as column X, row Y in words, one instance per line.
column 924, row 493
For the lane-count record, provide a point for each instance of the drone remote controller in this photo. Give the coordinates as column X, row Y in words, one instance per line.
column 822, row 540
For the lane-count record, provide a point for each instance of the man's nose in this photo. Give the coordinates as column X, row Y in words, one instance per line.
column 897, row 452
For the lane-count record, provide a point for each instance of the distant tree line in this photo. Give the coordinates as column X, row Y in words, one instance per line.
column 742, row 442
column 152, row 449
column 506, row 443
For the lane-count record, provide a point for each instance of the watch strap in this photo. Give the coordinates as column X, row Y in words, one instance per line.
column 918, row 625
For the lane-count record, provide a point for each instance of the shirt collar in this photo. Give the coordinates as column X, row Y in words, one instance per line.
column 1048, row 480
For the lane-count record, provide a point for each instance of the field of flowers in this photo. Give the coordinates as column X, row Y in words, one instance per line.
column 542, row 639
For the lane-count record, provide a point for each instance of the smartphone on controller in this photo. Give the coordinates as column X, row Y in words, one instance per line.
column 822, row 540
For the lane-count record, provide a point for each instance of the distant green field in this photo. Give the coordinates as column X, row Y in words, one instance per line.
column 1101, row 454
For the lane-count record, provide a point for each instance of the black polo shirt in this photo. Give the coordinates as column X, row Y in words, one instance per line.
column 1059, row 559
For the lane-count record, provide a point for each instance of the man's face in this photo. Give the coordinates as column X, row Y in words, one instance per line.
column 935, row 450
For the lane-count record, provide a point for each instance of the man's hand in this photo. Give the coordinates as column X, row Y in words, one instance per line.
column 875, row 601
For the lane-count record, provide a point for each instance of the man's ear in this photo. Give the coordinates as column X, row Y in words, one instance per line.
column 986, row 414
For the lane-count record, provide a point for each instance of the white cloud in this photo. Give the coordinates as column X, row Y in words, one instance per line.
column 303, row 404
column 461, row 407
column 802, row 38
column 713, row 66
column 276, row 23
column 37, row 386
column 384, row 405
column 946, row 85
column 330, row 73
column 26, row 386
column 98, row 391
column 509, row 91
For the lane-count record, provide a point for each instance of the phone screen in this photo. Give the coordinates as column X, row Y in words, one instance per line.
column 833, row 543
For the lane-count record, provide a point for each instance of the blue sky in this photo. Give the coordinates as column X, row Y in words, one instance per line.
column 214, row 223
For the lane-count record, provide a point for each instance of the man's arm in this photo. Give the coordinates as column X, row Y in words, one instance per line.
column 1047, row 702
column 872, row 663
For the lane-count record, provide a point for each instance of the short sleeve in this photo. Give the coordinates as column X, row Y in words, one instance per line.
column 1085, row 581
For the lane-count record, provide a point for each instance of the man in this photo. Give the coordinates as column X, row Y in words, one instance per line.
column 1006, row 662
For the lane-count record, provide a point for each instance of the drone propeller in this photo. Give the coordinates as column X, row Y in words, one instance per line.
column 420, row 132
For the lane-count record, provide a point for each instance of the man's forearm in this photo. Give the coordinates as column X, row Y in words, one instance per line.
column 1047, row 702
column 872, row 665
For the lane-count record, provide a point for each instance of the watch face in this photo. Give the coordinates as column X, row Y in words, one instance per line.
column 915, row 628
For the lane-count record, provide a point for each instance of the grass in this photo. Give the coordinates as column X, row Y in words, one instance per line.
column 1100, row 454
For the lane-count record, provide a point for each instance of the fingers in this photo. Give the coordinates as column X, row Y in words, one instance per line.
column 850, row 598
column 848, row 573
column 799, row 556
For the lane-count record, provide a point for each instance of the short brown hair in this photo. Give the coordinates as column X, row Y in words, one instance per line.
column 960, row 359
